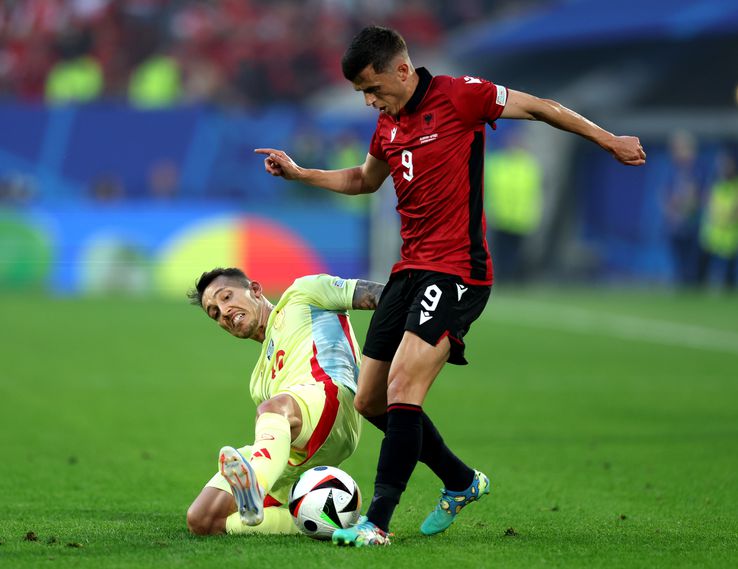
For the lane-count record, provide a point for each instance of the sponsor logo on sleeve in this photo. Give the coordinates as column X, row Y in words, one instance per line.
column 501, row 95
column 472, row 80
column 339, row 283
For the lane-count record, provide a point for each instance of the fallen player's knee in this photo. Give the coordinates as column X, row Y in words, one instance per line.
column 369, row 406
column 198, row 523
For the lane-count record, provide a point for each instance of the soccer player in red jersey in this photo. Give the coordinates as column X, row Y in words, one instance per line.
column 430, row 138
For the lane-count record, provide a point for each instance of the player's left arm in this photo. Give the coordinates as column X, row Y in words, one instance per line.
column 366, row 295
column 625, row 149
column 335, row 293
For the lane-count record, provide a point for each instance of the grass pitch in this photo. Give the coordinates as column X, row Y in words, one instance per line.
column 608, row 423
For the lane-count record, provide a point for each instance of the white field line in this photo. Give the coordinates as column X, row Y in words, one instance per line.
column 592, row 322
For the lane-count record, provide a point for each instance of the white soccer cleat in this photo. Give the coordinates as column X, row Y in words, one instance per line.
column 246, row 489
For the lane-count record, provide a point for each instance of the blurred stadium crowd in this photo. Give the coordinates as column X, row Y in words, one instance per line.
column 111, row 108
column 155, row 53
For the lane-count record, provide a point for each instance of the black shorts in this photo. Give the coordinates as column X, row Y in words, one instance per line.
column 430, row 304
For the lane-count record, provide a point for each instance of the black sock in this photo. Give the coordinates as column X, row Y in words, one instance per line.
column 397, row 460
column 379, row 421
column 434, row 453
column 456, row 475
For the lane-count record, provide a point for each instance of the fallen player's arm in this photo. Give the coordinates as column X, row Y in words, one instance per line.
column 366, row 295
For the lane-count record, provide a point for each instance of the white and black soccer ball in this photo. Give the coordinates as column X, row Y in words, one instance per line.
column 323, row 500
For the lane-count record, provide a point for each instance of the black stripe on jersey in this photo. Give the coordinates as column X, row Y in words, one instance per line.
column 476, row 236
column 424, row 81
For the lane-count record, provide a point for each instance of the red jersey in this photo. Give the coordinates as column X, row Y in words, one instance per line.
column 435, row 150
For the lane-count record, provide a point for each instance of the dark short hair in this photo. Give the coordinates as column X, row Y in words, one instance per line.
column 373, row 45
column 195, row 294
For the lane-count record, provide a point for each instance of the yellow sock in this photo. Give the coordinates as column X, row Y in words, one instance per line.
column 276, row 520
column 271, row 449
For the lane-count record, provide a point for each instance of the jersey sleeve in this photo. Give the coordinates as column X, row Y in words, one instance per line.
column 327, row 291
column 478, row 100
column 375, row 148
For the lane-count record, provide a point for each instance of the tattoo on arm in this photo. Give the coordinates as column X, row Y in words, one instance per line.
column 366, row 295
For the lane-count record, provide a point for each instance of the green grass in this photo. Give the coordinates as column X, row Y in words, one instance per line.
column 611, row 440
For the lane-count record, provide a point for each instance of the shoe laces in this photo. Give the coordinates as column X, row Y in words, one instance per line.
column 463, row 497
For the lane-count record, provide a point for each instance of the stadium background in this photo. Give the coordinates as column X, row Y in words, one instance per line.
column 126, row 169
column 128, row 129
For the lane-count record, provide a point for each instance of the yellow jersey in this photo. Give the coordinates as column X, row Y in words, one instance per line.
column 308, row 338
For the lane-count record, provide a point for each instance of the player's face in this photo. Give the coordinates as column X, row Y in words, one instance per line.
column 235, row 308
column 387, row 91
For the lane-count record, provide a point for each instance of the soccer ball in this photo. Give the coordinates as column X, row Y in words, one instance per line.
column 323, row 500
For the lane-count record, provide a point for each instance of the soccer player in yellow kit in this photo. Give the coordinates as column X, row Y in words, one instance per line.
column 303, row 385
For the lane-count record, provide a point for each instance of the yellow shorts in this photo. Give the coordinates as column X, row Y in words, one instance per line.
column 330, row 433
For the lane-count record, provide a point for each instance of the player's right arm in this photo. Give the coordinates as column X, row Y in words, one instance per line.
column 363, row 179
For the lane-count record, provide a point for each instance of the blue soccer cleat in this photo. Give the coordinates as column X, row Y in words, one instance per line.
column 451, row 503
column 362, row 534
column 246, row 489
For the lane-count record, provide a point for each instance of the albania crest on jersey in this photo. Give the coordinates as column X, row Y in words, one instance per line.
column 428, row 121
